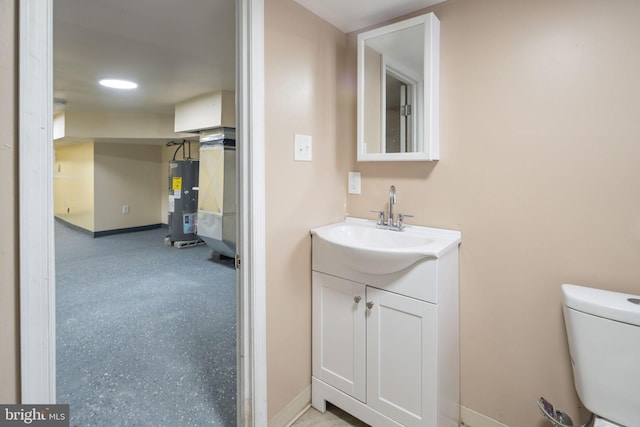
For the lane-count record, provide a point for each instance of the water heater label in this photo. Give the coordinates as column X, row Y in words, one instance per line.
column 177, row 194
column 172, row 204
column 189, row 223
column 177, row 183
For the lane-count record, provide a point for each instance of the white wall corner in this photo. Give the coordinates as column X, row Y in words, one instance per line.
column 293, row 410
column 471, row 418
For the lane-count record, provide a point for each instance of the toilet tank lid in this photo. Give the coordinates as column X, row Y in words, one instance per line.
column 610, row 305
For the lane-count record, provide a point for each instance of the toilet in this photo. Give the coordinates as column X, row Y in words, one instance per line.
column 603, row 331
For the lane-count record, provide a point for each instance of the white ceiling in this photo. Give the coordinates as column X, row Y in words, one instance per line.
column 352, row 15
column 174, row 50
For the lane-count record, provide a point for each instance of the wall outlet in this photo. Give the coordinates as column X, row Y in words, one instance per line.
column 125, row 209
column 354, row 183
column 302, row 148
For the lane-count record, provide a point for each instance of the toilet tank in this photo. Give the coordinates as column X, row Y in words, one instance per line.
column 603, row 331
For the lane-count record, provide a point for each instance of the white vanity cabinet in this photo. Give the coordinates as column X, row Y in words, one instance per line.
column 339, row 334
column 385, row 347
column 401, row 361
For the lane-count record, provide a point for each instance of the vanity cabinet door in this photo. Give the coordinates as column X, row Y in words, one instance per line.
column 402, row 357
column 339, row 333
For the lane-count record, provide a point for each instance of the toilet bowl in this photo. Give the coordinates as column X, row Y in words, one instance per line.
column 603, row 331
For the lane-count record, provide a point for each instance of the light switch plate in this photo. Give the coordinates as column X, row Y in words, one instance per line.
column 303, row 148
column 354, row 183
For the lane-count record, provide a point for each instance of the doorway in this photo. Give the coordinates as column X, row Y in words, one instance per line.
column 143, row 330
column 37, row 290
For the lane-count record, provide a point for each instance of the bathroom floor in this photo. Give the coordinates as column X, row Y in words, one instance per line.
column 333, row 417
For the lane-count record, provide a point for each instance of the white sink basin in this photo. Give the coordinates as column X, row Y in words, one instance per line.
column 360, row 245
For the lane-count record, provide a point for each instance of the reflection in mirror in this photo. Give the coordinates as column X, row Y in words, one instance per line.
column 396, row 134
column 399, row 109
column 397, row 73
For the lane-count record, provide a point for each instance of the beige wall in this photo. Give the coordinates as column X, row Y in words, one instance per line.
column 9, row 307
column 126, row 174
column 206, row 111
column 539, row 170
column 128, row 126
column 539, row 131
column 92, row 181
column 303, row 73
column 73, row 184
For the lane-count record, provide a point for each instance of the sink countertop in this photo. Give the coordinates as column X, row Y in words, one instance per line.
column 428, row 241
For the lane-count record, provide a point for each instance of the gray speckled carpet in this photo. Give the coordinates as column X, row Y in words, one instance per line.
column 146, row 333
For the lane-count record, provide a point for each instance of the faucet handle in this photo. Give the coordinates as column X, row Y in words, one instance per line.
column 401, row 218
column 380, row 217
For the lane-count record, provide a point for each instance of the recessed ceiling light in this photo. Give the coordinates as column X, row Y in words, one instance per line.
column 118, row 84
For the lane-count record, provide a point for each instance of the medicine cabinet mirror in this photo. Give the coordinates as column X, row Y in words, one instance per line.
column 398, row 88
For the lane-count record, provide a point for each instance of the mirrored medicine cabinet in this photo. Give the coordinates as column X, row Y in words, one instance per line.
column 398, row 90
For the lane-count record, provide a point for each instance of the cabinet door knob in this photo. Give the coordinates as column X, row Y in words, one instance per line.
column 370, row 305
column 357, row 299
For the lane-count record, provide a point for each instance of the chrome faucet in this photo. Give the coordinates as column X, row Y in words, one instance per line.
column 392, row 201
column 390, row 223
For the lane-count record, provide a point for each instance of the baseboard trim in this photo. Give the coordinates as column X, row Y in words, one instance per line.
column 471, row 418
column 126, row 230
column 109, row 232
column 73, row 226
column 293, row 410
column 301, row 403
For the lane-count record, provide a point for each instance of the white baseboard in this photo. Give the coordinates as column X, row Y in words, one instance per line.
column 293, row 410
column 302, row 402
column 471, row 418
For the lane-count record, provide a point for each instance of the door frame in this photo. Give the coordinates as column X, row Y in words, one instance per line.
column 35, row 195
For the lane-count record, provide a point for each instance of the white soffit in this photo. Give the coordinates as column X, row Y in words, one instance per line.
column 352, row 15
